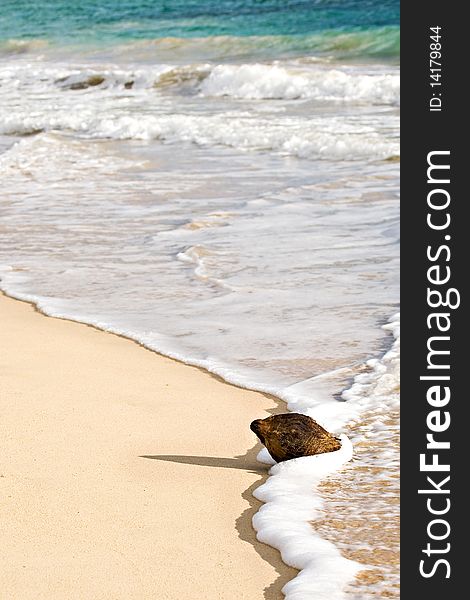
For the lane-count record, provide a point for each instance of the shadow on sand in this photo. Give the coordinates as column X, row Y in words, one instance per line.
column 243, row 524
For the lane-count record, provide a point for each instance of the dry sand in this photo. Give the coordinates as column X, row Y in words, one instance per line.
column 123, row 474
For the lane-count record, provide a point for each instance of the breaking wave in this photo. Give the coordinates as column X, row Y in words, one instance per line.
column 15, row 47
column 258, row 81
column 321, row 138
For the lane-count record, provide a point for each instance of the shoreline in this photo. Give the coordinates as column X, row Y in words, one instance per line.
column 98, row 463
column 259, row 389
column 35, row 307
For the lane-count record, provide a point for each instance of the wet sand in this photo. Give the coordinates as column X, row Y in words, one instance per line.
column 362, row 512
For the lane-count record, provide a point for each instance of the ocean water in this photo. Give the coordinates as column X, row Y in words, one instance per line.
column 219, row 181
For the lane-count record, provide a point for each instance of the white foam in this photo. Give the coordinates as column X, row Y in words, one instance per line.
column 258, row 81
column 382, row 378
column 290, row 504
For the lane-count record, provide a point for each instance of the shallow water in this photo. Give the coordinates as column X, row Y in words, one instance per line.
column 362, row 513
column 220, row 182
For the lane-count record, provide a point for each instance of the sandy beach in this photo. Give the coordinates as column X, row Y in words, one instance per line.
column 124, row 474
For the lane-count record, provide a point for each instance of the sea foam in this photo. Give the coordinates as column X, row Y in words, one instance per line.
column 258, row 81
column 290, row 504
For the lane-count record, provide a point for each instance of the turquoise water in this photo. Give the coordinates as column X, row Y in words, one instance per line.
column 346, row 27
